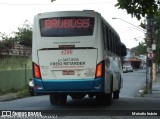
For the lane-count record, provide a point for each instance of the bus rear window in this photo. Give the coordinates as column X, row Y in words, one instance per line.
column 66, row 26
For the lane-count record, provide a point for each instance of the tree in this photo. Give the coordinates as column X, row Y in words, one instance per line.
column 158, row 47
column 24, row 34
column 6, row 43
column 143, row 8
column 140, row 49
column 157, row 37
column 139, row 8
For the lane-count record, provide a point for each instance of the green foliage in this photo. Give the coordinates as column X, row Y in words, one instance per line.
column 12, row 90
column 24, row 35
column 157, row 36
column 6, row 41
column 24, row 92
column 139, row 8
column 21, row 93
column 140, row 49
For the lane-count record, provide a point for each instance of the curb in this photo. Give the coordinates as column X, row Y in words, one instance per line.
column 155, row 89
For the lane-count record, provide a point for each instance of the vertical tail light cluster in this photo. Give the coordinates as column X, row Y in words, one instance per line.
column 36, row 71
column 100, row 69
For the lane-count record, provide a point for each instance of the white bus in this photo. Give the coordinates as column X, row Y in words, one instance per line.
column 76, row 53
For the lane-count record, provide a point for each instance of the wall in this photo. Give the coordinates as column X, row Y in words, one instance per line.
column 15, row 71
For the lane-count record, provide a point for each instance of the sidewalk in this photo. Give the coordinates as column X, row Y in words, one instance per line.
column 155, row 88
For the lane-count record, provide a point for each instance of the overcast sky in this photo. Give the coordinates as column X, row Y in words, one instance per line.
column 15, row 12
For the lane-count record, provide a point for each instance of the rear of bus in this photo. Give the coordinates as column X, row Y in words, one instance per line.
column 67, row 53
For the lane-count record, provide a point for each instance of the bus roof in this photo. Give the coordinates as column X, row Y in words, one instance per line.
column 60, row 12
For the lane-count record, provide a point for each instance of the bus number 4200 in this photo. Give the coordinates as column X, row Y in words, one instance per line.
column 67, row 52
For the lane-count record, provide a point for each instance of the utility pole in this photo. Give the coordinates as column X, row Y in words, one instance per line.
column 154, row 67
column 149, row 58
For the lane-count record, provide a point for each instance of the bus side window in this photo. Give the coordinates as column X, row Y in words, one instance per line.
column 123, row 50
column 104, row 35
column 118, row 46
column 117, row 42
column 114, row 44
column 110, row 40
column 107, row 38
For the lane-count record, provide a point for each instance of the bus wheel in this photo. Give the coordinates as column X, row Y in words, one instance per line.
column 53, row 99
column 108, row 99
column 104, row 99
column 100, row 99
column 116, row 94
column 62, row 99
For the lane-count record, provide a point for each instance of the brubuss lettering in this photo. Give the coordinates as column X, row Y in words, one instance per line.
column 66, row 26
column 67, row 23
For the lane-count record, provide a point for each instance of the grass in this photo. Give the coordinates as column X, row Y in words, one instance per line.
column 8, row 91
column 144, row 92
column 21, row 93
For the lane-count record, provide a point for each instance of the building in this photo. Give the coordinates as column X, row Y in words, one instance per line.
column 16, row 49
column 137, row 62
column 21, row 50
column 143, row 61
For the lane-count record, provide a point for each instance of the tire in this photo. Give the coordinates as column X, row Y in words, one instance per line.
column 116, row 94
column 53, row 99
column 104, row 99
column 100, row 99
column 62, row 98
column 108, row 99
column 108, row 96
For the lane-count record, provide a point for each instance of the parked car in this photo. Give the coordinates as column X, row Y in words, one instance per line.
column 129, row 68
column 125, row 69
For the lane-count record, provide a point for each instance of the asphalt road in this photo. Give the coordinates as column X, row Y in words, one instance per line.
column 132, row 83
column 128, row 103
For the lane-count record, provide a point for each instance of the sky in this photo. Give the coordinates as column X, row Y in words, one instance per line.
column 15, row 12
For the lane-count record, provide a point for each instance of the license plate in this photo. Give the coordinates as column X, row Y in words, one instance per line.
column 68, row 72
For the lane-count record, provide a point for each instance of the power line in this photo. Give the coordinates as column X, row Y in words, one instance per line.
column 15, row 4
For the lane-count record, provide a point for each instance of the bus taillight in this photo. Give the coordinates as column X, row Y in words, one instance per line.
column 36, row 71
column 99, row 70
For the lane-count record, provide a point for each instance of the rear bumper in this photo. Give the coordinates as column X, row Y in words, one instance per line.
column 68, row 86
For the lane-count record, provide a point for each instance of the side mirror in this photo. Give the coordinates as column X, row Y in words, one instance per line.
column 123, row 50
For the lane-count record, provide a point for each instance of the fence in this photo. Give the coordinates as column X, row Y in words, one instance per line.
column 15, row 72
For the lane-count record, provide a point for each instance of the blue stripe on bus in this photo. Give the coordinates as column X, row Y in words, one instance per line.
column 85, row 85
